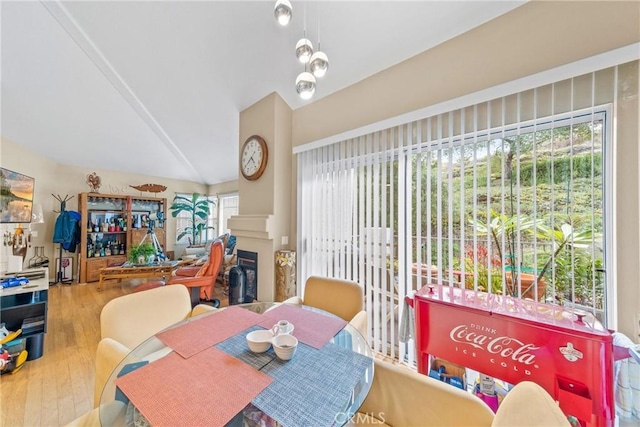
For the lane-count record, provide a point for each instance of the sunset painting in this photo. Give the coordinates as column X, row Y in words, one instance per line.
column 16, row 196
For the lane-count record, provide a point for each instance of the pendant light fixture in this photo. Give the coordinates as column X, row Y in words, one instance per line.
column 315, row 64
column 304, row 49
column 306, row 85
column 319, row 63
column 283, row 12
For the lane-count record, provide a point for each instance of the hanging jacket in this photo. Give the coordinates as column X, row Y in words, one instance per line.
column 67, row 230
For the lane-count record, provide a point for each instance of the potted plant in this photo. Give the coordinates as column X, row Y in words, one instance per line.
column 198, row 209
column 142, row 253
column 578, row 243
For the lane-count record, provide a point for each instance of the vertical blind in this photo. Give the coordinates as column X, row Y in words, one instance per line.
column 506, row 196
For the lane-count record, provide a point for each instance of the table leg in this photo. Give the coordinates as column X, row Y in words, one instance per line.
column 100, row 282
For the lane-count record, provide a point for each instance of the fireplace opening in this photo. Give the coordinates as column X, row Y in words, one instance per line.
column 249, row 261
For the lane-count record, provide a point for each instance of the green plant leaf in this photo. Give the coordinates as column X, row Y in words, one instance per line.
column 198, row 208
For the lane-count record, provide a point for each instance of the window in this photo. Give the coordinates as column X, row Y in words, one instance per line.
column 228, row 207
column 184, row 222
column 212, row 219
column 506, row 196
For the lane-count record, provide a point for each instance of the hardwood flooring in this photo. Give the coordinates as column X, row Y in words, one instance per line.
column 58, row 387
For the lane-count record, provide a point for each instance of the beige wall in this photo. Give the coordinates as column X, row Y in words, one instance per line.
column 535, row 37
column 223, row 188
column 257, row 197
column 627, row 197
column 283, row 160
column 15, row 158
column 264, row 213
column 56, row 178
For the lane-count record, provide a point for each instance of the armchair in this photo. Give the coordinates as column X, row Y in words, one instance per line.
column 125, row 322
column 202, row 277
column 402, row 397
column 132, row 318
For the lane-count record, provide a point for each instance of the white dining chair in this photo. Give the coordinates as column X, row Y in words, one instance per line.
column 343, row 298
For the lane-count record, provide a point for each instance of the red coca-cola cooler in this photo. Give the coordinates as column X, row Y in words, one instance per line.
column 570, row 356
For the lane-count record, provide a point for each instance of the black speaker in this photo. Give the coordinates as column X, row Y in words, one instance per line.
column 237, row 285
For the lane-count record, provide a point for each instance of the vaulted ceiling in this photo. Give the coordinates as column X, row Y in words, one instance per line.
column 156, row 87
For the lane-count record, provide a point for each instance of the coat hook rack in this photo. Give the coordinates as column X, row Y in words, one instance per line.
column 63, row 207
column 62, row 201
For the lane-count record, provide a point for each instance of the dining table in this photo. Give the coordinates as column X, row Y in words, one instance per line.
column 201, row 371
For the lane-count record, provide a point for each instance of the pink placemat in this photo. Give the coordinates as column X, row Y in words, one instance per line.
column 311, row 328
column 207, row 389
column 193, row 337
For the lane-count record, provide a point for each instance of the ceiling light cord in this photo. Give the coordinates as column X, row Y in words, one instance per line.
column 319, row 61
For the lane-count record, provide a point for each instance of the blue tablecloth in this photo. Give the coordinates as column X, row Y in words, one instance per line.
column 312, row 389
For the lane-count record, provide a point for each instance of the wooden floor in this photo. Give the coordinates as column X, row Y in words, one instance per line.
column 58, row 387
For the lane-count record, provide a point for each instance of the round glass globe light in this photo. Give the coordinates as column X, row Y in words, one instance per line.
column 306, row 85
column 304, row 50
column 319, row 64
column 283, row 12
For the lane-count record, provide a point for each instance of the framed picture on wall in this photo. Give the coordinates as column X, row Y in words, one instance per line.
column 16, row 196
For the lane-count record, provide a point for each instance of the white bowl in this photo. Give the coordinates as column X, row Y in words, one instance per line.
column 285, row 346
column 259, row 341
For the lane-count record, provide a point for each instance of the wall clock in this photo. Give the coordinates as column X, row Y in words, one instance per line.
column 253, row 158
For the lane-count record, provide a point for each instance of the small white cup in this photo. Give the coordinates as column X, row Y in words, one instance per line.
column 283, row 327
column 285, row 346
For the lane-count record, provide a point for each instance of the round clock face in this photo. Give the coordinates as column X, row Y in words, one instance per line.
column 253, row 159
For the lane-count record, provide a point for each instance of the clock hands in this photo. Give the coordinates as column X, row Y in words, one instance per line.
column 250, row 160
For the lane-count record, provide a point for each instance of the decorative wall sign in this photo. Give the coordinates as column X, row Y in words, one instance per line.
column 151, row 188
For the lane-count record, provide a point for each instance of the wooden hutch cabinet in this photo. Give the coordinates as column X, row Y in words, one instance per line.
column 111, row 225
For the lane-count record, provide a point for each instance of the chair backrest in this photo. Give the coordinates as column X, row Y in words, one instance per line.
column 231, row 245
column 225, row 239
column 132, row 318
column 528, row 404
column 216, row 255
column 343, row 298
column 400, row 396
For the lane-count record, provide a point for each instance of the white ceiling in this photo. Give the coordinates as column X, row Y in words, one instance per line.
column 156, row 87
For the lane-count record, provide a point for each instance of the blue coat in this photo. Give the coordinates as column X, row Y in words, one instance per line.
column 67, row 230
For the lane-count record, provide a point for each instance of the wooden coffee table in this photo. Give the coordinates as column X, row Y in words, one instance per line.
column 126, row 271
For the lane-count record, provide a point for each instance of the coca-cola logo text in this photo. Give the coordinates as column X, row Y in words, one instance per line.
column 506, row 347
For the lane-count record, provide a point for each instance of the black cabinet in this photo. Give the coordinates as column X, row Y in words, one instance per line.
column 26, row 308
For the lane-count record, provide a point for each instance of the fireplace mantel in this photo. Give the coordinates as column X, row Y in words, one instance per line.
column 260, row 226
